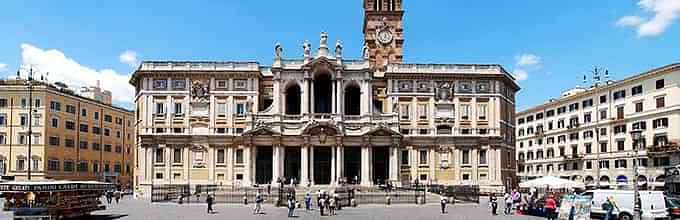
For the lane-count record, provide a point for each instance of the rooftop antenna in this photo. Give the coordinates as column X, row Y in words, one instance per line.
column 606, row 75
column 596, row 74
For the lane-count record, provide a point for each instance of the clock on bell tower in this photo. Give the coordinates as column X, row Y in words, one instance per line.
column 383, row 32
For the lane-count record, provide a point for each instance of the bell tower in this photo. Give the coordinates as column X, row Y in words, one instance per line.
column 383, row 32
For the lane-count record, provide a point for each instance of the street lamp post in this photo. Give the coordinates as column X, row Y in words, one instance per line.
column 636, row 135
column 30, row 123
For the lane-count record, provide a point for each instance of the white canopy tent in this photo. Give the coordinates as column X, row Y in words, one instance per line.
column 552, row 182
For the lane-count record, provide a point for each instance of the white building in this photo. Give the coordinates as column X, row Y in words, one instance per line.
column 585, row 135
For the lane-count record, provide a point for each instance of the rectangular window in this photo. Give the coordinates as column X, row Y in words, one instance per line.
column 603, row 114
column 178, row 84
column 404, row 111
column 160, row 108
column 23, row 119
column 107, row 147
column 3, row 103
column 423, row 157
column 53, row 165
column 587, row 103
column 177, row 155
column 660, row 84
column 638, row 107
column 619, row 94
column 482, row 157
column 222, row 84
column 69, row 143
column 404, row 157
column 82, row 166
column 220, row 156
column 84, row 128
column 239, row 156
column 619, row 112
column 159, row 155
column 465, row 112
column 603, row 147
column 70, row 125
column 83, row 145
column 636, row 90
column 178, row 108
column 68, row 166
column 603, row 99
column 108, row 118
column 660, row 102
column 620, row 145
column 422, row 111
column 54, row 141
column 589, row 148
column 96, row 116
column 481, row 112
column 3, row 120
column 71, row 109
column 96, row 130
column 587, row 118
column 96, row 146
column 83, row 112
column 466, row 157
column 160, row 84
column 56, row 106
column 240, row 108
column 660, row 123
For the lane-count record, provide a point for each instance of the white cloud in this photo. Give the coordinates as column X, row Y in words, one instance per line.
column 527, row 59
column 665, row 13
column 3, row 67
column 128, row 57
column 521, row 75
column 65, row 69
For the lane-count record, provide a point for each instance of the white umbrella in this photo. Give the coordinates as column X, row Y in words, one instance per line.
column 552, row 182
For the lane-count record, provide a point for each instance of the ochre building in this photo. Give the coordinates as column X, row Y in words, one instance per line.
column 321, row 119
column 73, row 137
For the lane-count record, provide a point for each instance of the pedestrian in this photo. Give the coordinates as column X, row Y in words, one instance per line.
column 109, row 196
column 258, row 204
column 516, row 199
column 508, row 204
column 550, row 206
column 291, row 206
column 322, row 203
column 493, row 202
column 308, row 201
column 609, row 206
column 442, row 201
column 332, row 205
column 210, row 201
column 116, row 195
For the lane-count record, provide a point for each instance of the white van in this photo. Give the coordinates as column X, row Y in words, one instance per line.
column 653, row 204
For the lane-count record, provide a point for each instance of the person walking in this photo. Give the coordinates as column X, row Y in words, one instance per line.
column 609, row 206
column 331, row 206
column 258, row 204
column 516, row 199
column 109, row 196
column 116, row 195
column 550, row 207
column 291, row 206
column 322, row 204
column 308, row 201
column 508, row 204
column 442, row 201
column 493, row 202
column 210, row 201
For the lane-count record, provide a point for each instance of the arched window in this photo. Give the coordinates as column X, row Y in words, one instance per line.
column 293, row 102
column 322, row 93
column 352, row 100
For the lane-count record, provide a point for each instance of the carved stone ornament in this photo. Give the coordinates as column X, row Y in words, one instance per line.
column 278, row 49
column 445, row 148
column 307, row 49
column 338, row 48
column 199, row 90
column 199, row 155
column 443, row 92
column 365, row 52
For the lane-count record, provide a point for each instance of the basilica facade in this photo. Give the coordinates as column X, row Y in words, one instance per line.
column 321, row 119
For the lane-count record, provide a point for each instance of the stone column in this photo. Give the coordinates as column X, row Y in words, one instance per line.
column 499, row 166
column 311, row 97
column 474, row 161
column 340, row 162
column 341, row 97
column 304, row 157
column 210, row 161
column 277, row 93
column 305, row 97
column 311, row 164
column 333, row 165
column 394, row 163
column 248, row 174
column 276, row 150
column 365, row 165
column 229, row 159
column 457, row 162
column 433, row 163
column 333, row 97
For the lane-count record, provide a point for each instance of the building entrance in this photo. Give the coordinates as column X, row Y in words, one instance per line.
column 291, row 167
column 263, row 165
column 352, row 164
column 381, row 158
column 322, row 165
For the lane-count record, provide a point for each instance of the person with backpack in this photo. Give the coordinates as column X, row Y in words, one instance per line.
column 609, row 206
column 258, row 204
column 493, row 202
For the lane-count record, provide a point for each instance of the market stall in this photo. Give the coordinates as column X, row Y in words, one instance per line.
column 52, row 199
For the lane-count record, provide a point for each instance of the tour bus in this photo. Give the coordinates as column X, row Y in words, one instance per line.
column 52, row 199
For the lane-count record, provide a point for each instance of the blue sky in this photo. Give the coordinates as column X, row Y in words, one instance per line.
column 550, row 43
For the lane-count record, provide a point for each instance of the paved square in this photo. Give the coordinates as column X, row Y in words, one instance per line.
column 142, row 209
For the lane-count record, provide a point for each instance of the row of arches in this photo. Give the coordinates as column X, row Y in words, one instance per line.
column 323, row 97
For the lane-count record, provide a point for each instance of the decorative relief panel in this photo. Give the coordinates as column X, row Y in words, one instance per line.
column 464, row 87
column 424, row 86
column 444, row 91
column 405, row 85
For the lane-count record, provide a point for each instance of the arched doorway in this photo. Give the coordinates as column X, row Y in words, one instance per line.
column 323, row 94
column 604, row 181
column 352, row 100
column 293, row 100
column 589, row 180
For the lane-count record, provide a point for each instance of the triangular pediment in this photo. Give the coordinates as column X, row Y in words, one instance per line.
column 315, row 128
column 261, row 131
column 321, row 62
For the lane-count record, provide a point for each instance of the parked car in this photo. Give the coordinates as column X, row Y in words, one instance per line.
column 673, row 204
column 652, row 204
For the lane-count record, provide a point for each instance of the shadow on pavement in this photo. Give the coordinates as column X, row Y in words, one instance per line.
column 100, row 217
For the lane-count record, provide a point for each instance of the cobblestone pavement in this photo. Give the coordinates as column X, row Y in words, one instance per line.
column 143, row 210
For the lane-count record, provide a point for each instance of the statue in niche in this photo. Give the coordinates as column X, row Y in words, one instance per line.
column 338, row 48
column 444, row 91
column 199, row 90
column 364, row 52
column 278, row 49
column 307, row 49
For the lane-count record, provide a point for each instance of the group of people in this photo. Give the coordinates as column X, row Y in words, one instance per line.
column 324, row 201
column 111, row 194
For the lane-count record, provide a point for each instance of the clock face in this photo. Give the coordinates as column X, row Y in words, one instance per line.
column 385, row 36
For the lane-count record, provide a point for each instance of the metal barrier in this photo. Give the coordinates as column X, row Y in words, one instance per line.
column 169, row 192
column 233, row 194
column 465, row 193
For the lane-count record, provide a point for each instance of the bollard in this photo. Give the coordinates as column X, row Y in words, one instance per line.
column 245, row 200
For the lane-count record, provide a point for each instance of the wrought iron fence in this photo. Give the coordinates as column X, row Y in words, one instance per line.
column 464, row 193
column 169, row 192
